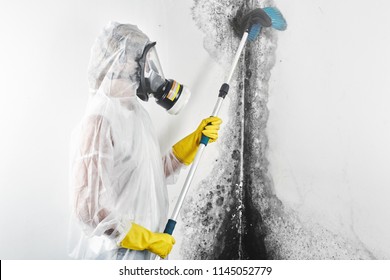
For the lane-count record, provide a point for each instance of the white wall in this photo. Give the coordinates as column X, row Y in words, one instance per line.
column 328, row 126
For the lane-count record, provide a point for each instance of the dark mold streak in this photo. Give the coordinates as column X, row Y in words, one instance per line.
column 234, row 214
column 237, row 234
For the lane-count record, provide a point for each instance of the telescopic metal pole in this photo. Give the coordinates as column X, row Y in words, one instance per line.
column 170, row 226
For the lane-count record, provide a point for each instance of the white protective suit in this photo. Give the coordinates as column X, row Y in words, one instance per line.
column 118, row 174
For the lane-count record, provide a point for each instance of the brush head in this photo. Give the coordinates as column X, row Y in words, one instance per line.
column 251, row 22
column 255, row 17
column 277, row 19
column 255, row 20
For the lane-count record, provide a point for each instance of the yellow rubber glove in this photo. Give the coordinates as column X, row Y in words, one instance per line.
column 185, row 150
column 139, row 238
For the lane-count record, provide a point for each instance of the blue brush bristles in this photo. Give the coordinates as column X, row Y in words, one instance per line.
column 254, row 32
column 278, row 21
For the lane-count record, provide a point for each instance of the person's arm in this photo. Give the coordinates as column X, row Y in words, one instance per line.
column 172, row 166
column 184, row 151
column 91, row 178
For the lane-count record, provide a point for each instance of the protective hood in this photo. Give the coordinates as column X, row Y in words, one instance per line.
column 113, row 66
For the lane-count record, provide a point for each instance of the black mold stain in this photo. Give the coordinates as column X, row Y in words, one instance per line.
column 238, row 233
column 236, row 22
column 227, row 247
column 234, row 213
column 236, row 154
column 253, row 237
column 253, row 246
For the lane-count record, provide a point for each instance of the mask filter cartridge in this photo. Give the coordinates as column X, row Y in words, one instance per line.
column 169, row 94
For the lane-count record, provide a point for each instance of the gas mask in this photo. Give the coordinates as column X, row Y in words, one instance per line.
column 169, row 94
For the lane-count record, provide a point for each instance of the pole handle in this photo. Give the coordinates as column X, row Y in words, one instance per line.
column 223, row 91
column 204, row 140
column 170, row 226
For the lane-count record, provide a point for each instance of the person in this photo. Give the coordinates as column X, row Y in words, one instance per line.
column 118, row 176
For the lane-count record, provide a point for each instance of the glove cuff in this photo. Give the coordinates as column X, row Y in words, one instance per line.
column 138, row 238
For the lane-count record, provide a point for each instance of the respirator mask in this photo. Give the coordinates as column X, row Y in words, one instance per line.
column 169, row 94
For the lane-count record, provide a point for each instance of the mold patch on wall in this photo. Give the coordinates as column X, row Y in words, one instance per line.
column 234, row 213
